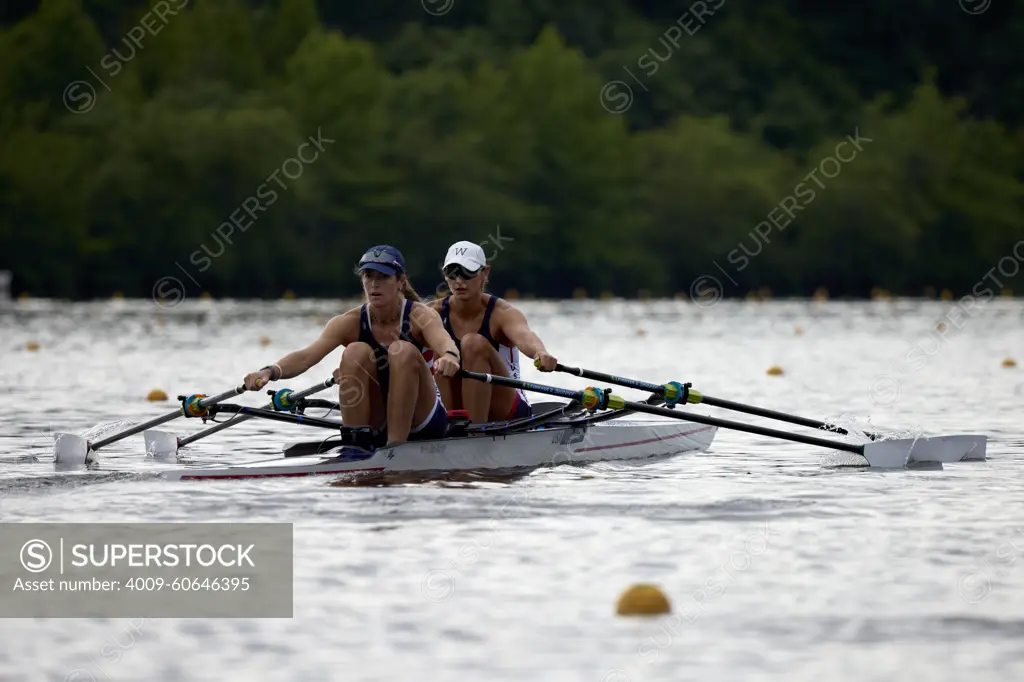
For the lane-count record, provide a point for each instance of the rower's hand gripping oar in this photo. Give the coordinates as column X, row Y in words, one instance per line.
column 70, row 450
column 889, row 454
column 941, row 448
column 161, row 444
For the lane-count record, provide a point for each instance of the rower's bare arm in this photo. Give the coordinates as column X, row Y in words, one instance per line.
column 427, row 321
column 512, row 323
column 340, row 330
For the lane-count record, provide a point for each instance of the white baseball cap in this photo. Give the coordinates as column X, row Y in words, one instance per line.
column 466, row 254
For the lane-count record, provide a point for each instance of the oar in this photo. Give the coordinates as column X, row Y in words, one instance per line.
column 69, row 449
column 673, row 392
column 885, row 454
column 940, row 448
column 164, row 444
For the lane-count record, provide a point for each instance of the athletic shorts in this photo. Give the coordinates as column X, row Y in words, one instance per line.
column 434, row 426
column 521, row 409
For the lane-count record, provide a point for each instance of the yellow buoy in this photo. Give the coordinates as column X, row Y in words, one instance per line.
column 288, row 295
column 32, row 346
column 607, row 295
column 940, row 327
column 511, row 295
column 643, row 600
column 156, row 394
column 264, row 340
column 946, row 295
column 1009, row 362
column 821, row 294
column 117, row 295
column 775, row 371
column 23, row 296
column 798, row 330
column 206, row 296
column 1007, row 292
column 579, row 293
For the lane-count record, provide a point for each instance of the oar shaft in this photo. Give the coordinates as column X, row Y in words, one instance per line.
column 182, row 442
column 673, row 414
column 708, row 400
column 611, row 379
column 205, row 402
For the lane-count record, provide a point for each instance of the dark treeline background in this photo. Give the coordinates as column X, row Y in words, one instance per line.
column 445, row 127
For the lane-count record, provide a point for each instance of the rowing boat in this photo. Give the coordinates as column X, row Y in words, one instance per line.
column 591, row 427
column 543, row 446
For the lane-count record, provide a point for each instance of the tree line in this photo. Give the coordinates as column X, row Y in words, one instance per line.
column 249, row 147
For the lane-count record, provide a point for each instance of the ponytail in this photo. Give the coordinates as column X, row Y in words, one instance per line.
column 408, row 291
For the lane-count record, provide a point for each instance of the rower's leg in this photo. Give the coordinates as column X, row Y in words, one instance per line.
column 411, row 392
column 359, row 394
column 484, row 401
column 451, row 391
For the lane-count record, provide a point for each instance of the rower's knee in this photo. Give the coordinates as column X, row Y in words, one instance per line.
column 403, row 355
column 474, row 346
column 358, row 355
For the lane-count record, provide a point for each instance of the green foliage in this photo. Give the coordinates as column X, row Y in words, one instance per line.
column 132, row 136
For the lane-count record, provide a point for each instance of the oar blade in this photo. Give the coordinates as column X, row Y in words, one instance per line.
column 160, row 444
column 890, row 454
column 70, row 451
column 899, row 452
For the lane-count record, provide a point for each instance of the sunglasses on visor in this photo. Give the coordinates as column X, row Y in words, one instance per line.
column 455, row 270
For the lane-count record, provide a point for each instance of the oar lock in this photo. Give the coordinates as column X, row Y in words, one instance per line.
column 676, row 393
column 282, row 401
column 192, row 406
column 601, row 399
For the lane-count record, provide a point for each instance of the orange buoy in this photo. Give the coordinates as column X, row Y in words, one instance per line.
column 264, row 340
column 775, row 371
column 643, row 600
column 32, row 346
column 1009, row 362
column 156, row 395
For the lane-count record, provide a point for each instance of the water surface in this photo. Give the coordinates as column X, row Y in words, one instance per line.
column 779, row 564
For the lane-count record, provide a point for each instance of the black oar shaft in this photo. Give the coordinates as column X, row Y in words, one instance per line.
column 274, row 415
column 708, row 400
column 157, row 421
column 182, row 442
column 673, row 414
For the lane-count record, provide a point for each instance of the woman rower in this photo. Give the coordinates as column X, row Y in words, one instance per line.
column 383, row 380
column 490, row 333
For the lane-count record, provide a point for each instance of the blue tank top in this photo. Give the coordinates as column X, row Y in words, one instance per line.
column 380, row 352
column 510, row 356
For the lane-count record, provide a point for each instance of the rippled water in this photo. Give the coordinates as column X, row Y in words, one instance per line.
column 778, row 564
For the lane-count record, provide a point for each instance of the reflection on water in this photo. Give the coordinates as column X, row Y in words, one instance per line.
column 779, row 558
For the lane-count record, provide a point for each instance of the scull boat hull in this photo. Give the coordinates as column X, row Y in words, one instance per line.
column 542, row 447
